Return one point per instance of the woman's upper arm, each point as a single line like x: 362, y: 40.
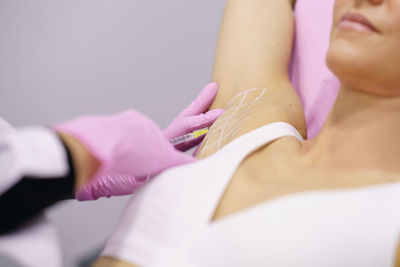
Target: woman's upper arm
x: 254, y: 46
x: 251, y: 68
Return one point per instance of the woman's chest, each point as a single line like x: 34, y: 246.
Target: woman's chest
x: 328, y: 228
x: 256, y: 181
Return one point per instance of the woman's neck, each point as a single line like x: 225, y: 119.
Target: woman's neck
x: 362, y: 132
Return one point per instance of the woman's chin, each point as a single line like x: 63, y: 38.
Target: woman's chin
x: 349, y: 64
x: 362, y: 75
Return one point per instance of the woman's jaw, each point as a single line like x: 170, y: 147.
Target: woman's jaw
x: 361, y: 132
x: 365, y: 44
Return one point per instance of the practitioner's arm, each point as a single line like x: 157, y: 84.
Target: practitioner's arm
x: 253, y: 51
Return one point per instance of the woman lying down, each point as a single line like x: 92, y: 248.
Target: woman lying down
x: 262, y: 195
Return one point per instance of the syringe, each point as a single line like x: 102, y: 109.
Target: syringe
x: 187, y: 137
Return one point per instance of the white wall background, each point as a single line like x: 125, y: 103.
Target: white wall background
x: 63, y: 58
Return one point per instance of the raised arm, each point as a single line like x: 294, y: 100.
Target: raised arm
x: 251, y: 63
x: 254, y: 46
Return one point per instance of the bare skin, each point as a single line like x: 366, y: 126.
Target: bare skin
x: 348, y: 153
x: 85, y: 164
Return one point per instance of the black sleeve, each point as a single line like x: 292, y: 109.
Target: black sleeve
x: 30, y: 196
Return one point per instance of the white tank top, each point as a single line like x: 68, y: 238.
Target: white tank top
x: 168, y: 222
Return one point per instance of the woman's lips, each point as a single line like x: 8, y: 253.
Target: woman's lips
x: 357, y: 22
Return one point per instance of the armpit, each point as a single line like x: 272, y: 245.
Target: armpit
x: 251, y: 109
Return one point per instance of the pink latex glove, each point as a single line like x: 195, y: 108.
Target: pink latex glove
x: 193, y: 117
x: 131, y: 147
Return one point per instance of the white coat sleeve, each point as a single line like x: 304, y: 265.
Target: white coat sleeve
x: 18, y: 155
x: 35, y: 245
x: 33, y: 151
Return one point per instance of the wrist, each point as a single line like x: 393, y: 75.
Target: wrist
x: 85, y: 164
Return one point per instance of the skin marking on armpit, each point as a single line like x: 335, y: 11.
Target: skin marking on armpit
x: 236, y: 113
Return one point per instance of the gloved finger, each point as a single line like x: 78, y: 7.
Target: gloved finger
x: 196, y: 150
x: 84, y: 194
x: 189, y: 124
x: 109, y: 184
x: 202, y: 102
x: 181, y: 158
x: 203, y: 120
x: 93, y: 190
x: 189, y: 144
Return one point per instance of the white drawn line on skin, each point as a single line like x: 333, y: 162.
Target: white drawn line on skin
x: 227, y: 119
x: 236, y: 129
x: 244, y: 96
x: 224, y: 119
x: 222, y: 128
x: 241, y: 106
x: 248, y: 109
x: 241, y: 120
x: 228, y: 135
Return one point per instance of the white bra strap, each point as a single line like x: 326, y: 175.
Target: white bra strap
x: 211, y: 187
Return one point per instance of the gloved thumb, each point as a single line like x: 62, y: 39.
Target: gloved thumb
x: 181, y: 158
x: 185, y: 125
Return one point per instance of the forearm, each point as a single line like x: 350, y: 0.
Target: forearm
x: 47, y: 167
x: 111, y: 262
x: 42, y: 170
x: 84, y: 163
x: 254, y: 46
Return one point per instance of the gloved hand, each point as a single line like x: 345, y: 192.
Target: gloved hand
x: 131, y: 147
x: 193, y: 117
